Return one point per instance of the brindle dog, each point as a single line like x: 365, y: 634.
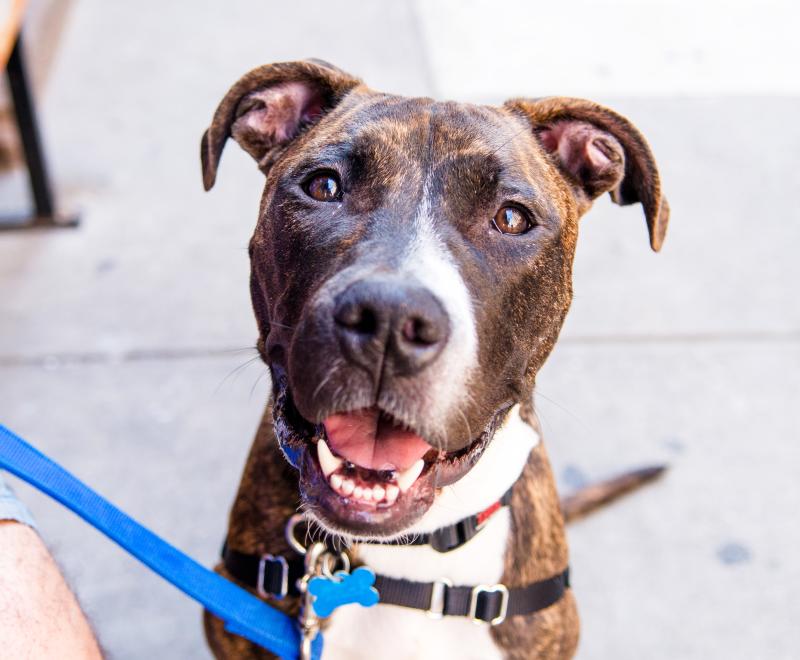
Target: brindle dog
x: 411, y: 270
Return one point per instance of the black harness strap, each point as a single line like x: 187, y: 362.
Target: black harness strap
x: 489, y: 603
x: 270, y: 575
x: 454, y: 536
x: 275, y: 577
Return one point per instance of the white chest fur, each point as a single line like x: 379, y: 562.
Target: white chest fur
x: 394, y: 633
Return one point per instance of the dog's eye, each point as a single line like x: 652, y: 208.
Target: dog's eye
x: 324, y: 187
x: 511, y: 220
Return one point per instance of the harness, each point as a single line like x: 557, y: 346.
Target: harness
x: 276, y: 577
x: 320, y: 573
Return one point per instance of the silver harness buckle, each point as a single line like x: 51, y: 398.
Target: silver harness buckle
x: 438, y: 590
x: 262, y: 572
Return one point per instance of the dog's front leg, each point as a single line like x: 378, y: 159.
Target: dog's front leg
x: 537, y: 548
x: 267, y: 498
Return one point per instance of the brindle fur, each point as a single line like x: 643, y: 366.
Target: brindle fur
x: 401, y: 151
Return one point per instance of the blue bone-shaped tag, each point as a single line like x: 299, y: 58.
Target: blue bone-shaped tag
x: 355, y: 587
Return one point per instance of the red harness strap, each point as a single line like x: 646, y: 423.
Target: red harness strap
x: 484, y: 515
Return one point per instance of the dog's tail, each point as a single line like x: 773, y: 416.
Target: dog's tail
x: 594, y: 496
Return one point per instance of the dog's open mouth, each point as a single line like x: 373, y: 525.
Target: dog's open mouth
x: 370, y: 459
x: 364, y: 474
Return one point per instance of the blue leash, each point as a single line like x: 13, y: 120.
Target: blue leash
x: 243, y: 613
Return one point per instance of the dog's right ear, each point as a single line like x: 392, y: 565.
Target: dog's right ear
x: 268, y: 107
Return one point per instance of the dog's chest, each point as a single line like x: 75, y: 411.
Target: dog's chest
x: 399, y: 633
x: 394, y: 633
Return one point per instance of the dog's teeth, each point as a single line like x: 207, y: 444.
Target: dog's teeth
x: 378, y: 493
x: 358, y: 492
x: 327, y: 461
x: 407, y: 478
x: 336, y: 481
x: 348, y: 486
x: 392, y: 492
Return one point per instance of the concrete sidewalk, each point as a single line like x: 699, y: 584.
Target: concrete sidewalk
x: 125, y: 345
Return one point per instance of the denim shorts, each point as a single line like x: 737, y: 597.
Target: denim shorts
x: 11, y: 508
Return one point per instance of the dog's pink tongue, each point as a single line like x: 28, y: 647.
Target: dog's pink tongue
x: 364, y: 438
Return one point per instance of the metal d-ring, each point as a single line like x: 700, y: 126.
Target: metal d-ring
x: 291, y: 539
x: 330, y: 561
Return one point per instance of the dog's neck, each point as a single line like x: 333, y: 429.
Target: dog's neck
x: 482, y: 558
x: 496, y: 471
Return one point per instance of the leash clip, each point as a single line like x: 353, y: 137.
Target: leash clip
x: 309, y: 621
x: 320, y: 565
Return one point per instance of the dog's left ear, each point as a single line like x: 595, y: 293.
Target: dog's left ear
x: 598, y: 150
x: 269, y: 106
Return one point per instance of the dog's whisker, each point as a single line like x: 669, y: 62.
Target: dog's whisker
x: 236, y: 371
x: 260, y: 376
x: 240, y: 350
x: 564, y: 409
x: 281, y: 325
x: 333, y: 370
x: 470, y: 437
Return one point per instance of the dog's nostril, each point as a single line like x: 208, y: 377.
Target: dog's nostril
x: 367, y: 323
x: 417, y: 330
x: 358, y: 318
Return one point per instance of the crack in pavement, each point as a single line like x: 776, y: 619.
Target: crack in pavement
x: 65, y: 358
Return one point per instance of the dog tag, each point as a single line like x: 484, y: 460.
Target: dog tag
x: 343, y: 589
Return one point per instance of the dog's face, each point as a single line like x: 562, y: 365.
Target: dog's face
x: 411, y: 269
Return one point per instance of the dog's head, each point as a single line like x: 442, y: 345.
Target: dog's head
x: 411, y: 270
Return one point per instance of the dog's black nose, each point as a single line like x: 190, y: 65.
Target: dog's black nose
x: 392, y: 326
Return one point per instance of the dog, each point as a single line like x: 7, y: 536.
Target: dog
x: 410, y: 273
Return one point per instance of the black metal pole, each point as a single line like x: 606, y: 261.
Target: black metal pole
x: 29, y: 133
